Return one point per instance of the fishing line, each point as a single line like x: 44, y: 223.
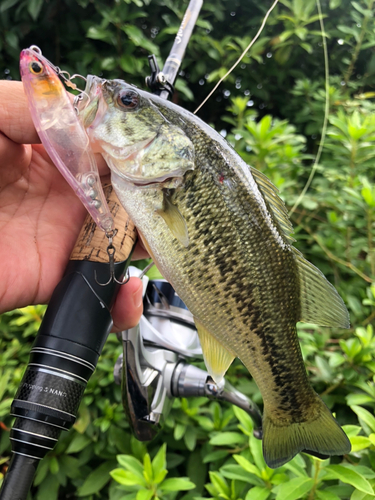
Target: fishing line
x: 241, y: 56
x: 326, y: 111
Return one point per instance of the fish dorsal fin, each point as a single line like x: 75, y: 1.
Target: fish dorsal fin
x: 174, y: 220
x: 216, y: 357
x: 275, y: 203
x: 320, y: 302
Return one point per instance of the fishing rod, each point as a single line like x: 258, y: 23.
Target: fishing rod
x: 77, y: 320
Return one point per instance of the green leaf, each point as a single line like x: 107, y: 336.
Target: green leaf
x: 351, y: 430
x: 84, y: 419
x: 97, y: 479
x: 179, y: 431
x: 147, y: 469
x: 359, y: 495
x: 301, y: 33
x: 326, y: 495
x: 264, y: 126
x: 306, y: 46
x: 220, y: 484
x: 190, y: 437
x: 33, y: 7
x: 7, y: 4
x: 127, y: 478
x: 359, y: 443
x: 137, y: 37
x: 297, y: 469
x: 214, y: 455
x: 48, y: 490
x: 78, y: 443
x: 333, y: 4
x: 159, y: 464
x: 365, y: 416
x: 182, y: 87
x: 144, y: 495
x: 294, y: 489
x: 228, y: 438
x: 258, y: 493
x: 237, y: 472
x: 54, y: 465
x: 348, y: 476
x: 364, y: 12
x: 257, y: 452
x: 368, y: 196
x: 131, y: 464
x: 245, y: 420
x: 70, y: 466
x: 98, y: 34
x: 177, y: 484
x: 248, y: 466
x: 42, y: 471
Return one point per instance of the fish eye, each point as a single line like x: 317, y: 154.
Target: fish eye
x: 128, y: 99
x: 36, y: 68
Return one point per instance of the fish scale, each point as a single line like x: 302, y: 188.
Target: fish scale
x: 219, y: 233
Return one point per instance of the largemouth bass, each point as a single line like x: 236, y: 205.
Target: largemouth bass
x: 218, y: 231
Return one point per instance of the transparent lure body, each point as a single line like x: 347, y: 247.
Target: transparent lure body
x: 63, y: 135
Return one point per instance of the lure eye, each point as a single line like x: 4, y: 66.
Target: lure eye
x: 36, y: 68
x: 128, y: 99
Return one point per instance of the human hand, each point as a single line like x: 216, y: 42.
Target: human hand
x: 40, y: 217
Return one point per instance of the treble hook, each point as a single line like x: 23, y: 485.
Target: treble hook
x: 111, y: 250
x: 65, y: 76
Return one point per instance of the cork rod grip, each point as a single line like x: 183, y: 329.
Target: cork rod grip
x: 92, y: 243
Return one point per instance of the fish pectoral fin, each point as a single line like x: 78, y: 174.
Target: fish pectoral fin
x: 216, y: 357
x: 174, y: 220
x: 320, y: 302
x: 321, y: 437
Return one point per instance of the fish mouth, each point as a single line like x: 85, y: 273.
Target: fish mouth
x: 169, y: 180
x: 133, y: 154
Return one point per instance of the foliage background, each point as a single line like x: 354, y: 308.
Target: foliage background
x: 271, y: 109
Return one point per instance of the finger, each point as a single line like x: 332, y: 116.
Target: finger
x: 128, y: 306
x: 102, y: 166
x: 139, y: 251
x: 16, y: 122
x: 14, y: 161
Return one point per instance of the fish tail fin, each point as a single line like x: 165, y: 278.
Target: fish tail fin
x: 321, y: 437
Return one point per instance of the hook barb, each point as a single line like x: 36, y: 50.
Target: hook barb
x: 111, y: 260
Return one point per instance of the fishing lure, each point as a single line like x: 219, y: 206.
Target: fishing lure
x: 62, y: 134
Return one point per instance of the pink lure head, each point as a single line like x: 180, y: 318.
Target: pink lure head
x: 62, y: 134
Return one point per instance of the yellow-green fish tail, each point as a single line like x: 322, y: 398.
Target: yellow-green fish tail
x: 320, y: 436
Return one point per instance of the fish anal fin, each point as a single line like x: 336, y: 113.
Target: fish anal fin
x: 174, y: 220
x: 216, y: 357
x: 320, y: 302
x: 321, y: 437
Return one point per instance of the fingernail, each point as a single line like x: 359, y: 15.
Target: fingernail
x: 138, y: 296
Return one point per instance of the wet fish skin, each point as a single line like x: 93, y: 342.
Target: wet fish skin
x: 236, y: 270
